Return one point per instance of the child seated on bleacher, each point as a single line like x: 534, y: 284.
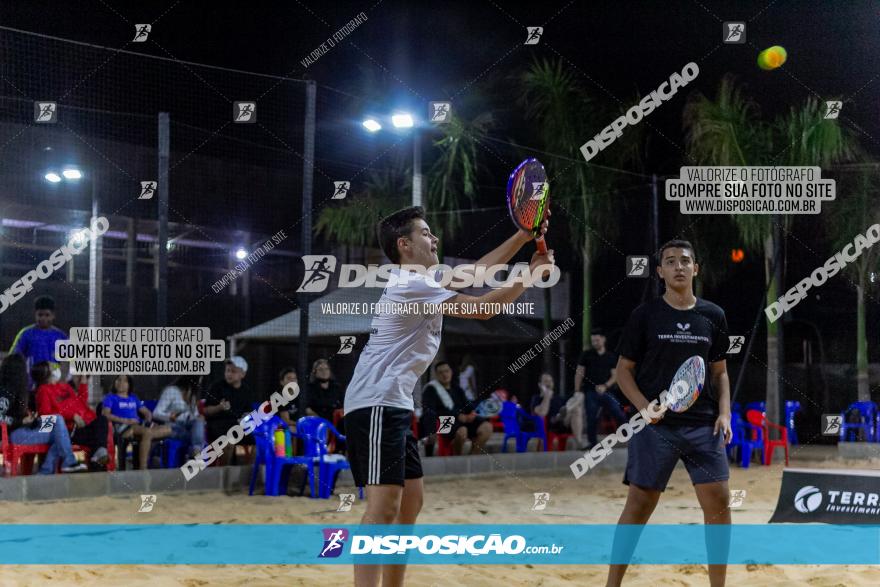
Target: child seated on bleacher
x: 87, y: 428
x: 26, y: 428
x: 122, y: 407
x: 179, y: 408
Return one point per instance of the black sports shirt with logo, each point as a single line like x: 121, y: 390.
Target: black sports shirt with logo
x: 659, y: 338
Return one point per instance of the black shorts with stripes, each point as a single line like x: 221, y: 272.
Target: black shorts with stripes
x: 381, y: 447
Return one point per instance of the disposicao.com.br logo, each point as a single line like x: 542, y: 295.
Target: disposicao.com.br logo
x: 320, y: 268
x: 430, y: 544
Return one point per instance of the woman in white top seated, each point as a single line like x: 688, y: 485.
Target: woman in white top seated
x: 179, y: 407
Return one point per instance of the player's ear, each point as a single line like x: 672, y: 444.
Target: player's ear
x: 696, y: 269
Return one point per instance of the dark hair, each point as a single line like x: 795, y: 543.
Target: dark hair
x: 130, y: 384
x: 285, y: 371
x: 395, y: 226
x: 185, y: 383
x: 41, y: 372
x: 439, y: 364
x: 675, y: 244
x: 44, y: 303
x: 312, y: 377
x: 13, y: 378
x: 596, y: 331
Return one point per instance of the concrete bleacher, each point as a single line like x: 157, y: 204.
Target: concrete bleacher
x: 236, y: 479
x: 858, y: 450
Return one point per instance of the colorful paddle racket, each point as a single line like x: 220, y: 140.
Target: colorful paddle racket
x: 528, y: 198
x: 687, y: 383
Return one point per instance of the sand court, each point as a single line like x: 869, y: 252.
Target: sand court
x: 506, y: 498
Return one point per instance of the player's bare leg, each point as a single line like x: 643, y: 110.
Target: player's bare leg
x: 410, y: 506
x: 640, y: 504
x: 383, y: 507
x: 577, y: 425
x: 145, y: 437
x: 714, y: 498
x: 459, y: 440
x: 484, y: 432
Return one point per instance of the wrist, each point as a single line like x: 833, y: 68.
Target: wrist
x: 523, y: 237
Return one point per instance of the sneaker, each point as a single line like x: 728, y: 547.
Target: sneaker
x: 77, y: 468
x: 100, y: 457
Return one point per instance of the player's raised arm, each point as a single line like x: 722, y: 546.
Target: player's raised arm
x: 504, y: 252
x: 465, y: 306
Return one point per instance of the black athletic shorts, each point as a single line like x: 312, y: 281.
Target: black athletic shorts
x: 470, y: 426
x: 653, y: 453
x: 381, y: 447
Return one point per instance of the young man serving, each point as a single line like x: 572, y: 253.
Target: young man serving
x: 379, y: 400
x: 659, y: 336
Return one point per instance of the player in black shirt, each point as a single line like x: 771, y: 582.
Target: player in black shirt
x: 659, y: 336
x: 595, y: 376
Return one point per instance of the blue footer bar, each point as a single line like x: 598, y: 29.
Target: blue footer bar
x: 198, y: 544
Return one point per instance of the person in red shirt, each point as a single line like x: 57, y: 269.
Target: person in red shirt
x: 87, y: 428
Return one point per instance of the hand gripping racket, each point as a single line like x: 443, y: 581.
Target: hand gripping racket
x: 528, y: 198
x: 687, y: 383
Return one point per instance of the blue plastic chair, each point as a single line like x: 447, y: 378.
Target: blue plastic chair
x: 170, y: 451
x: 276, y: 481
x: 868, y: 413
x: 747, y: 438
x: 736, y: 408
x: 510, y: 412
x: 314, y: 432
x: 791, y: 408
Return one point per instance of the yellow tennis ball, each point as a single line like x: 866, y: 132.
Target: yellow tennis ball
x: 772, y: 57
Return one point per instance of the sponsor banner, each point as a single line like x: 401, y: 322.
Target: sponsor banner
x: 433, y: 544
x: 833, y: 496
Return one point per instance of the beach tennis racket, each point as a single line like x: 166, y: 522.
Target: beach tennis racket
x: 528, y: 198
x: 687, y: 383
x: 491, y: 406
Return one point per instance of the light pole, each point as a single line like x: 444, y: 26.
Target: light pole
x: 73, y: 174
x: 405, y: 120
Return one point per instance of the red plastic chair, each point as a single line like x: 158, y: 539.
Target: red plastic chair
x: 497, y: 424
x: 757, y: 418
x: 19, y: 454
x: 444, y: 445
x: 557, y: 438
x: 338, y: 414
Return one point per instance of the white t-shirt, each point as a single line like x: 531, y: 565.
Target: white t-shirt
x: 401, y: 345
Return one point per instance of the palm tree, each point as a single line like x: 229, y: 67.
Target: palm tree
x: 354, y: 222
x: 452, y: 179
x: 560, y: 108
x: 728, y: 131
x: 452, y: 187
x: 855, y: 209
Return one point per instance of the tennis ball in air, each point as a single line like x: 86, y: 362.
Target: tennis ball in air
x: 772, y: 57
